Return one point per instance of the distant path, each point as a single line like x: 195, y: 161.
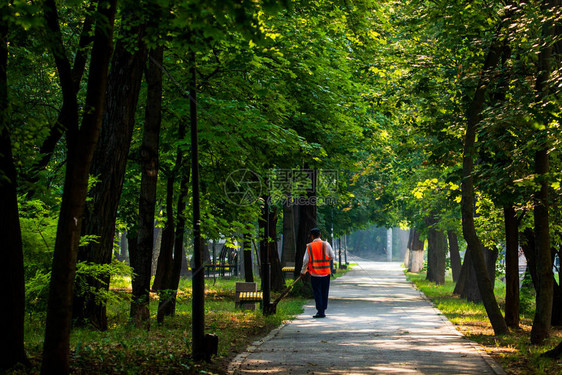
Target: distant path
x: 377, y: 323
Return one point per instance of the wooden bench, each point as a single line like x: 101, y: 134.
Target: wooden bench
x: 288, y: 271
x: 250, y: 296
x: 221, y: 269
x: 247, y: 295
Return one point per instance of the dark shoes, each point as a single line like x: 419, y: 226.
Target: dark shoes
x: 319, y: 316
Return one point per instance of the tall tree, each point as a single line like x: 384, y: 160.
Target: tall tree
x: 198, y: 274
x: 172, y: 252
x: 290, y: 224
x: 436, y: 254
x: 466, y: 269
x: 308, y: 219
x: 467, y: 203
x: 141, y: 260
x: 471, y: 290
x: 416, y: 251
x: 248, y: 265
x: 13, y: 313
x: 80, y: 142
x: 454, y: 254
x: 543, y: 312
x: 110, y: 157
x: 511, y: 267
x: 165, y: 256
x: 277, y: 276
x: 56, y: 131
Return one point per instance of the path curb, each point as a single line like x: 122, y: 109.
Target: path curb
x: 235, y: 364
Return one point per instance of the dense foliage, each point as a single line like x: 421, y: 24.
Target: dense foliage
x: 378, y: 98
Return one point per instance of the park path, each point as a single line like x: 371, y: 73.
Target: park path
x: 377, y: 323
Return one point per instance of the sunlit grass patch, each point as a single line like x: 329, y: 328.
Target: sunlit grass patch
x: 513, y: 351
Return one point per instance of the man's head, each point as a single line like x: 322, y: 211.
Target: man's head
x: 315, y: 233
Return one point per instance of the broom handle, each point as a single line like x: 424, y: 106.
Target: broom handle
x: 287, y: 290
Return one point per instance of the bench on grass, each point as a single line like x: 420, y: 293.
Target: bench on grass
x: 247, y: 295
x: 220, y: 268
x: 288, y: 270
x: 250, y: 296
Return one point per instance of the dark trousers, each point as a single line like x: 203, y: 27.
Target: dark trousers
x: 320, y: 288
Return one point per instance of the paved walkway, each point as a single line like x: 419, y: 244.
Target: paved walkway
x: 377, y: 323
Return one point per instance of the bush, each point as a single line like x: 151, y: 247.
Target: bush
x: 38, y: 230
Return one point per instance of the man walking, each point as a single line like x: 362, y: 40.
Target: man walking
x: 317, y: 262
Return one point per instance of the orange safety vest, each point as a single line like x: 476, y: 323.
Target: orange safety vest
x: 318, y: 261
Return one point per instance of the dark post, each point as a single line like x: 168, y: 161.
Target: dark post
x: 345, y: 248
x: 198, y: 277
x: 339, y: 252
x: 266, y: 267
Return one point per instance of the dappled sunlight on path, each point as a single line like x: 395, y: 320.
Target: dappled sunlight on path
x: 377, y: 323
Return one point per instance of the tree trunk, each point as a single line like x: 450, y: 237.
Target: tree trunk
x: 406, y: 259
x: 156, y: 247
x: 290, y: 224
x: 265, y: 269
x: 58, y: 128
x: 132, y: 240
x: 184, y: 265
x: 277, y: 276
x: 164, y: 264
x: 556, y: 304
x: 307, y: 221
x: 544, y: 287
x: 167, y: 305
x: 179, y: 252
x: 248, y: 265
x: 12, y: 279
x: 511, y: 266
x: 436, y: 256
x: 554, y: 353
x: 108, y: 165
x: 471, y: 291
x: 416, y: 252
x: 557, y: 294
x: 165, y: 259
x: 454, y: 254
x: 467, y: 203
x: 81, y: 142
x: 464, y: 274
x: 544, y: 299
x: 199, y: 352
x: 123, y: 247
x: 141, y: 262
x: 408, y: 247
x: 528, y: 247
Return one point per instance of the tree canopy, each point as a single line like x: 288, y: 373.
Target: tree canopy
x: 434, y: 115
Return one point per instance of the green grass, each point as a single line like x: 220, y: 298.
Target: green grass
x: 166, y: 348
x: 513, y: 351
